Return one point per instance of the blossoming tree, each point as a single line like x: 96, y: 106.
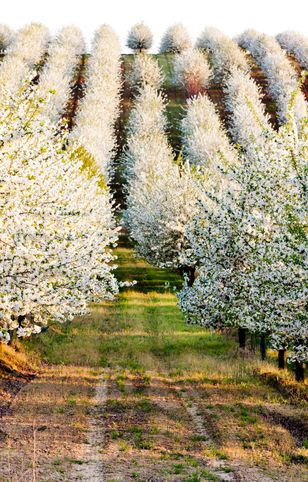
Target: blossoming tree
x: 250, y: 247
x: 6, y: 37
x: 98, y: 111
x: 192, y: 71
x: 23, y: 54
x: 295, y: 44
x: 56, y: 222
x: 175, y: 40
x: 139, y: 38
x: 145, y: 71
x: 63, y: 57
x: 224, y: 54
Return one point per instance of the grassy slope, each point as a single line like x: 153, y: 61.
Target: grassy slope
x: 142, y: 341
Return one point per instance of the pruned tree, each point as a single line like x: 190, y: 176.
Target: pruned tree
x: 63, y: 57
x: 22, y: 56
x: 243, y: 101
x: 205, y: 140
x: 250, y: 247
x: 175, y: 40
x: 97, y: 113
x: 161, y: 197
x: 145, y: 71
x: 192, y: 71
x: 139, y: 38
x: 6, y: 37
x: 56, y: 225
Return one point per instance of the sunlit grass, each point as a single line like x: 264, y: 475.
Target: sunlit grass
x: 144, y: 324
x: 143, y: 334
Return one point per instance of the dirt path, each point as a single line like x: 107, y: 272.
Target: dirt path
x: 133, y: 393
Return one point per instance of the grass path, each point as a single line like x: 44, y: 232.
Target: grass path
x: 130, y: 392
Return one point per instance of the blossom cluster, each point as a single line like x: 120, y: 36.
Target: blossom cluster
x: 295, y: 44
x: 56, y: 222
x: 175, y: 40
x: 22, y: 56
x: 205, y: 140
x: 224, y: 54
x: 98, y: 110
x: 57, y: 75
x: 280, y: 75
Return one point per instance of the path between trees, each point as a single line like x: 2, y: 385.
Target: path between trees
x: 132, y: 398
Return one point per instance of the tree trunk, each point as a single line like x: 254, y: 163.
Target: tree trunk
x: 252, y: 342
x: 299, y: 371
x: 282, y: 359
x: 263, y: 347
x: 242, y: 337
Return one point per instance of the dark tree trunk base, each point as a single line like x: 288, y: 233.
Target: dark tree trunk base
x: 263, y: 347
x: 252, y: 343
x: 299, y: 371
x: 282, y: 359
x: 242, y: 337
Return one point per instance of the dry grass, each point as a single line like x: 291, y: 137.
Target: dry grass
x: 46, y: 430
x: 151, y: 355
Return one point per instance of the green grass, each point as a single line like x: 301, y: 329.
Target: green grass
x: 144, y: 324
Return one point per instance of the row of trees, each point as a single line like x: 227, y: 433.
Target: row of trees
x: 280, y: 75
x: 296, y: 44
x: 160, y: 196
x: 243, y: 239
x: 56, y: 219
x: 231, y: 218
x: 99, y: 109
x: 57, y: 75
x: 176, y: 39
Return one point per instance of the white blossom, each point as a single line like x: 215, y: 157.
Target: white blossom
x: 145, y: 71
x: 6, y: 37
x: 23, y: 54
x: 251, y: 250
x: 56, y: 222
x: 205, y: 139
x: 161, y: 197
x: 57, y: 75
x: 243, y: 101
x: 175, y: 40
